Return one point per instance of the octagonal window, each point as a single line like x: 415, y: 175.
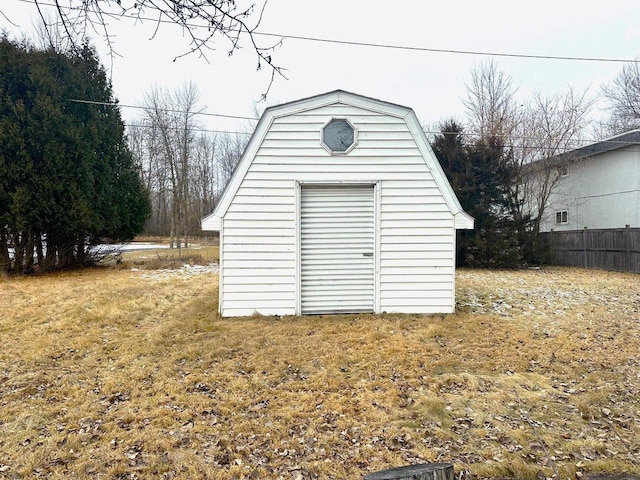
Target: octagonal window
x: 339, y: 136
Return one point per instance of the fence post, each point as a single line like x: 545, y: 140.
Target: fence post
x: 627, y: 246
x: 585, y: 262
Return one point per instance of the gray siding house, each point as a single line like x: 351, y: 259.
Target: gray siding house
x: 598, y: 186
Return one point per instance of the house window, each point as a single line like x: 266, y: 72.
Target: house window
x: 562, y: 216
x: 339, y: 136
x: 562, y: 170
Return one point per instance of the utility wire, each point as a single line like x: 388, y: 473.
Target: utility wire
x: 354, y: 43
x: 582, y: 142
x: 428, y: 132
x: 447, y: 50
x: 610, y: 194
x: 169, y: 110
x: 365, y: 44
x: 505, y: 147
x: 193, y: 129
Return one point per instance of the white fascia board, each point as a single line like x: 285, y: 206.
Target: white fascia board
x: 338, y: 96
x: 436, y: 170
x: 241, y: 170
x: 373, y: 104
x: 304, y: 105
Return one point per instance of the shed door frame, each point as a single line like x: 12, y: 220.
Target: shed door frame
x: 376, y: 238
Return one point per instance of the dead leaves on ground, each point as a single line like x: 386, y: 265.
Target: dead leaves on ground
x: 537, y: 375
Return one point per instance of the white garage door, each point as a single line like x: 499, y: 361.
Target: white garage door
x: 337, y: 249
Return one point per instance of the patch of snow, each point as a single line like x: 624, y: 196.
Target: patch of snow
x: 185, y: 271
x: 127, y: 247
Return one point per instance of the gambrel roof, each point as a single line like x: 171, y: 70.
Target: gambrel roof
x: 461, y: 219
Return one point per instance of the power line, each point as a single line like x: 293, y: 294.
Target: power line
x: 193, y: 129
x: 447, y: 50
x: 169, y: 110
x: 366, y: 44
x: 584, y: 142
x: 341, y: 42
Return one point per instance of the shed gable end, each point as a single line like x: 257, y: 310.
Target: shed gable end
x: 291, y: 128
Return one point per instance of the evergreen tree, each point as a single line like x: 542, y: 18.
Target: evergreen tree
x: 481, y: 173
x: 68, y: 180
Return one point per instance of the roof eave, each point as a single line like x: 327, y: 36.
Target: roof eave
x: 211, y: 223
x: 463, y: 221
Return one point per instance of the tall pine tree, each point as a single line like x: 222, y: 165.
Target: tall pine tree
x: 68, y: 179
x: 481, y: 174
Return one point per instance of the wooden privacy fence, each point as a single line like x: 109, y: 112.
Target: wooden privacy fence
x: 605, y: 249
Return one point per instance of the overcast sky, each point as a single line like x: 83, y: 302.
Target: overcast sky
x: 431, y: 83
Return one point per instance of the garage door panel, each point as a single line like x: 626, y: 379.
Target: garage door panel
x: 336, y: 249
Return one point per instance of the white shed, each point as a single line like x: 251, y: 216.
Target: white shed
x: 338, y: 205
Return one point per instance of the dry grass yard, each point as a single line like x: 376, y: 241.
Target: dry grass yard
x: 126, y: 372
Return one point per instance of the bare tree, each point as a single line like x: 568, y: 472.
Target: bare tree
x: 204, y: 184
x: 623, y: 96
x: 490, y: 103
x: 147, y: 152
x: 172, y: 122
x: 203, y: 22
x: 554, y: 125
x: 185, y: 168
x: 49, y: 34
x: 495, y: 115
x: 534, y: 131
x: 231, y: 147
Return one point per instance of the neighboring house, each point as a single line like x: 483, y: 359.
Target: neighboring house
x: 338, y: 205
x: 596, y: 186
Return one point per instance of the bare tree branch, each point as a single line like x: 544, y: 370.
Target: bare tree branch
x: 536, y: 131
x: 203, y: 21
x: 490, y: 102
x: 623, y: 95
x: 8, y: 19
x: 553, y: 123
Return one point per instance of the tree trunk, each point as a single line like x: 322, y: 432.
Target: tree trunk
x: 173, y: 234
x: 81, y: 258
x: 29, y: 252
x: 425, y: 471
x: 185, y: 220
x: 40, y: 251
x: 5, y: 258
x: 62, y: 256
x: 18, y: 253
x: 50, y: 257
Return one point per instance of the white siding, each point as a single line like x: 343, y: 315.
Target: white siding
x: 416, y: 243
x: 258, y: 252
x: 417, y: 248
x: 598, y: 192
